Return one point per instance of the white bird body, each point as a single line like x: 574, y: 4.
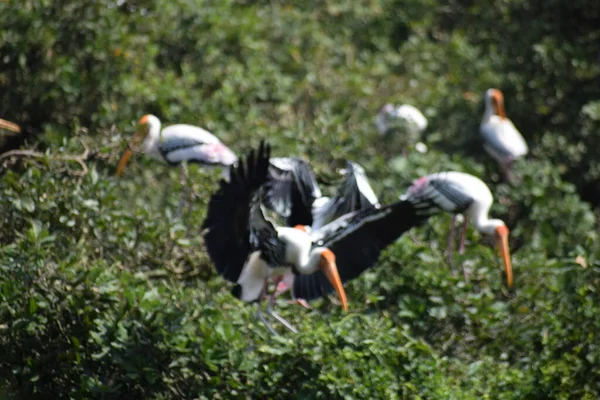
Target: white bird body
x: 406, y: 113
x: 180, y: 143
x: 471, y: 186
x: 501, y: 138
x: 299, y: 252
x: 461, y: 193
x: 412, y: 115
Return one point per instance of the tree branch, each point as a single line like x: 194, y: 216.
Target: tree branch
x: 79, y: 159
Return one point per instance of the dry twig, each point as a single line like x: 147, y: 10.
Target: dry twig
x: 79, y: 159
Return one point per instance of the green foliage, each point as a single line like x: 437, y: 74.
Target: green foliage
x: 105, y: 292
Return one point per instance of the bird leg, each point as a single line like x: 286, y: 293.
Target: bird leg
x: 275, y: 292
x: 280, y: 318
x: 461, y: 247
x: 259, y: 315
x: 412, y: 237
x: 271, y: 303
x: 463, y: 237
x: 506, y: 168
x: 182, y: 181
x: 192, y: 193
x: 262, y: 319
x: 449, y: 250
x: 300, y: 302
x: 282, y: 286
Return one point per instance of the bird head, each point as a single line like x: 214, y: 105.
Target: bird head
x: 501, y: 234
x: 143, y: 129
x: 497, y: 101
x: 329, y: 267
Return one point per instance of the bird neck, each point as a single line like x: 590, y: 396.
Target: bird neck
x: 152, y: 139
x: 308, y: 265
x: 489, y: 109
x: 486, y: 225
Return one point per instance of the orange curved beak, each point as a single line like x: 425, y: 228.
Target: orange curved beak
x: 498, y: 100
x: 137, y: 138
x: 9, y: 126
x: 502, y: 240
x: 123, y: 161
x: 329, y: 268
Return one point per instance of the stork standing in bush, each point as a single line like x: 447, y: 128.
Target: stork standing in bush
x: 404, y: 124
x: 176, y: 144
x: 179, y: 144
x: 460, y: 193
x: 501, y: 139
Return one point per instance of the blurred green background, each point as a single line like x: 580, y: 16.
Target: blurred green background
x: 105, y: 293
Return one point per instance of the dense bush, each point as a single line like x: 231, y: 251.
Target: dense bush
x: 106, y: 292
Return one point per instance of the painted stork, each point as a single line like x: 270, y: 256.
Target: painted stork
x: 500, y: 137
x: 358, y: 239
x: 293, y: 193
x: 460, y: 193
x: 176, y: 144
x: 9, y: 126
x: 407, y: 119
x: 248, y: 250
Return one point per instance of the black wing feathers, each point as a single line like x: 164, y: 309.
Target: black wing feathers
x: 448, y: 189
x: 264, y: 236
x: 357, y: 241
x: 350, y: 194
x: 438, y: 194
x: 179, y: 143
x: 227, y: 238
x: 291, y: 189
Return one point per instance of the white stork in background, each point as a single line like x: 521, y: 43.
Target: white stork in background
x: 460, y: 193
x: 248, y: 250
x: 293, y: 193
x: 501, y: 139
x: 408, y: 119
x: 178, y: 144
x: 9, y: 126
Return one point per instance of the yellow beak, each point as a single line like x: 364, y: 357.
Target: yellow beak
x: 124, y: 158
x: 329, y: 268
x: 502, y: 240
x: 137, y: 138
x: 9, y: 126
